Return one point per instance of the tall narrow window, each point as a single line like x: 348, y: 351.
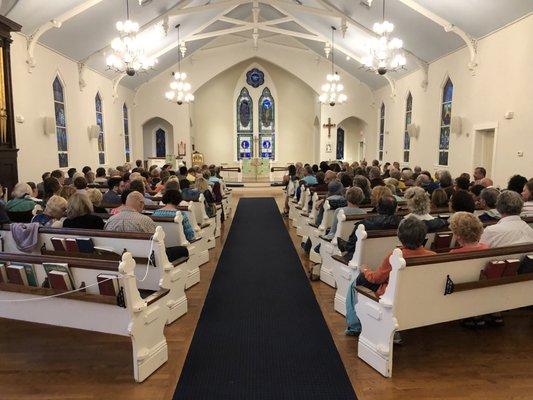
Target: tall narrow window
x: 245, y: 120
x: 381, y: 131
x: 445, y: 121
x: 100, y: 123
x: 61, y: 123
x: 406, y: 138
x: 267, y: 109
x: 127, y: 147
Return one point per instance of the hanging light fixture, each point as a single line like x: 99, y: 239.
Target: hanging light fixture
x: 128, y: 51
x: 332, y: 91
x: 180, y: 89
x: 384, y: 54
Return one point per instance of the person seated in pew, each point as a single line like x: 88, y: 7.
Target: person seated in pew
x: 188, y: 193
x: 377, y: 193
x: 20, y: 207
x: 80, y: 213
x: 363, y: 183
x: 374, y: 175
x: 40, y: 185
x: 392, y: 185
x: 446, y: 182
x: 34, y: 192
x: 334, y: 197
x: 67, y: 191
x: 4, y: 219
x: 130, y: 218
x: 309, y: 177
x: 69, y: 179
x: 462, y: 200
x: 3, y: 193
x: 171, y: 200
x: 487, y: 201
x: 353, y: 196
x: 123, y: 198
x: 321, y: 185
x: 439, y: 199
x: 412, y: 235
x: 396, y: 174
x: 96, y: 196
x: 53, y: 213
x: 116, y: 186
x: 202, y: 185
x: 419, y: 206
x: 475, y: 190
x: 90, y: 177
x: 467, y: 230
x: 516, y: 183
x: 51, y: 187
x: 100, y: 176
x: 510, y: 229
x: 386, y: 219
x: 462, y: 183
x: 80, y: 183
x: 138, y: 185
x: 527, y: 196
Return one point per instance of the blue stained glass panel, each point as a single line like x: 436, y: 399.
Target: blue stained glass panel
x: 447, y: 94
x: 100, y: 121
x: 60, y: 114
x: 380, y: 155
x: 406, y: 156
x: 101, y: 144
x: 61, y: 135
x: 255, y: 77
x: 63, y: 160
x: 58, y: 90
x: 266, y: 112
x: 244, y: 113
x: 160, y: 143
x: 409, y: 102
x: 406, y: 141
x: 98, y: 103
x: 125, y: 111
x: 444, y: 142
x: 443, y: 158
x: 101, y: 158
x: 382, y: 125
x: 381, y: 142
x: 382, y: 111
x: 407, y: 119
x: 446, y: 114
x: 126, y: 128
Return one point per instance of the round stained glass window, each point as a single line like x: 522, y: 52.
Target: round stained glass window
x: 266, y: 144
x: 255, y: 77
x: 245, y: 144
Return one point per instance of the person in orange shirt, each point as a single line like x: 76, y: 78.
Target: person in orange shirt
x: 412, y: 234
x: 467, y: 229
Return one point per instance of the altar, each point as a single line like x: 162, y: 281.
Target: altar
x: 255, y: 170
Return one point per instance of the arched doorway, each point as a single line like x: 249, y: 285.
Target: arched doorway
x: 158, y: 138
x: 350, y: 139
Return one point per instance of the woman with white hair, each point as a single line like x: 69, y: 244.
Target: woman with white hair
x: 419, y: 205
x: 20, y: 207
x: 53, y: 212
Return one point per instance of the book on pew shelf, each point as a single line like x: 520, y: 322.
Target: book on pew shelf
x: 108, y: 284
x: 31, y: 276
x: 511, y: 267
x: 104, y: 250
x: 17, y: 275
x: 58, y: 244
x: 442, y: 240
x: 49, y: 267
x: 3, y: 273
x: 526, y: 266
x: 85, y: 245
x: 59, y: 280
x: 493, y: 269
x: 444, y: 216
x: 71, y: 245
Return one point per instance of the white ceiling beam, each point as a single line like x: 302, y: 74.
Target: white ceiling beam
x: 207, y: 7
x: 470, y: 41
x: 233, y: 20
x: 278, y: 21
x: 291, y: 33
x: 220, y: 32
x: 54, y: 23
x: 295, y: 6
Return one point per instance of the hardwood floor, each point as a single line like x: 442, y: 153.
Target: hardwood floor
x: 439, y: 362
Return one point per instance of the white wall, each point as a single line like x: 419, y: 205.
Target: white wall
x: 502, y: 83
x: 205, y: 64
x: 33, y: 100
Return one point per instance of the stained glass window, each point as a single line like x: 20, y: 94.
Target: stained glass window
x: 100, y: 123
x: 381, y: 131
x: 266, y: 112
x: 255, y: 77
x: 61, y: 123
x: 445, y: 121
x: 244, y: 112
x: 160, y: 143
x: 127, y: 147
x: 408, y: 119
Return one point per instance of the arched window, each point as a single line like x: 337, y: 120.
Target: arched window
x: 100, y: 122
x: 445, y: 121
x: 125, y: 118
x: 266, y: 112
x: 244, y: 112
x: 381, y: 131
x: 406, y: 138
x: 160, y: 143
x: 61, y: 123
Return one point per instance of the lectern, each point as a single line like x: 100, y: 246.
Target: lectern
x: 8, y: 146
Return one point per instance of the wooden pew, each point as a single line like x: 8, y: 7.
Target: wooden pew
x: 152, y: 264
x: 140, y: 319
x: 434, y: 289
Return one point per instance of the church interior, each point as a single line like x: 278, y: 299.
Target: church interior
x: 266, y: 199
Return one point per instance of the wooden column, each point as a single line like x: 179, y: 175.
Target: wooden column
x: 8, y: 146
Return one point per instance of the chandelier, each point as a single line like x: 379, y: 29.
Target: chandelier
x: 332, y: 90
x: 180, y: 89
x: 384, y: 54
x: 128, y: 51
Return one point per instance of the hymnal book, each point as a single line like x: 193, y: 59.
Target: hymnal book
x: 71, y: 245
x: 17, y: 275
x: 59, y: 280
x: 493, y: 269
x: 511, y: 267
x: 48, y: 267
x: 442, y: 240
x: 85, y: 245
x: 58, y: 244
x: 105, y: 250
x: 3, y: 273
x: 30, y: 273
x: 108, y: 284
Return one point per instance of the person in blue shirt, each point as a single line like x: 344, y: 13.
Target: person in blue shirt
x: 309, y: 177
x: 171, y: 199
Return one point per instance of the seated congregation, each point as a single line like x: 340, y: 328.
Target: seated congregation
x: 115, y: 250
x: 361, y: 225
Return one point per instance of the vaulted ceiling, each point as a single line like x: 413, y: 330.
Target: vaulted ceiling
x: 428, y: 28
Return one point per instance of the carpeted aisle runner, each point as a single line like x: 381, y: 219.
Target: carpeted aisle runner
x: 261, y: 334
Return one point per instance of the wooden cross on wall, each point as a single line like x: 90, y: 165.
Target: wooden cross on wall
x: 329, y: 125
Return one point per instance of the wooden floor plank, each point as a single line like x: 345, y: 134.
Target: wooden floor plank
x: 438, y: 362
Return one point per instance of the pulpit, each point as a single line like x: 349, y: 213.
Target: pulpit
x: 8, y: 148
